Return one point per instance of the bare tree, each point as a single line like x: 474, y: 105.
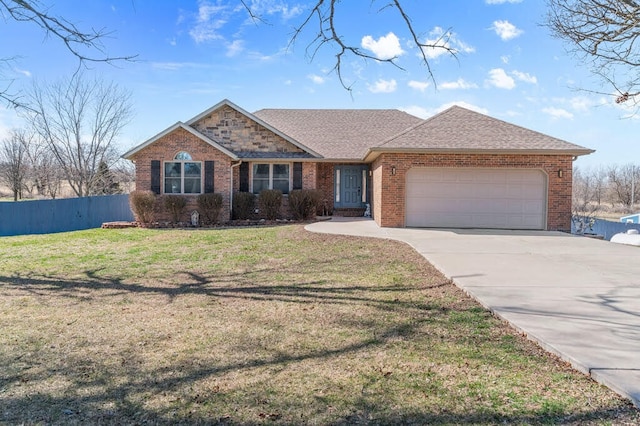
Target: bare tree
x: 79, y: 120
x: 625, y: 183
x: 604, y: 34
x: 14, y: 162
x: 585, y: 199
x: 124, y: 172
x: 44, y: 173
x: 85, y: 44
x: 327, y: 21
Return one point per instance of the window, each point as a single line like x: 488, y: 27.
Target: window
x: 182, y: 176
x: 270, y: 176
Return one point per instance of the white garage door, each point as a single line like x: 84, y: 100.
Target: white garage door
x: 476, y: 198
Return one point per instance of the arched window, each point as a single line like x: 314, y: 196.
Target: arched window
x: 183, y: 176
x: 183, y: 156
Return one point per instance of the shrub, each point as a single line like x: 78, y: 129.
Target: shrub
x: 142, y: 203
x: 210, y: 205
x: 175, y: 204
x: 304, y: 203
x: 270, y: 202
x: 243, y: 205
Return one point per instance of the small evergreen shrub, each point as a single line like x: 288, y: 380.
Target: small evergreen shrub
x: 142, y: 203
x: 243, y: 205
x: 210, y: 205
x: 304, y: 203
x: 176, y: 205
x: 270, y: 202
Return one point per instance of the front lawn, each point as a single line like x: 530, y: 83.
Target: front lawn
x: 263, y: 325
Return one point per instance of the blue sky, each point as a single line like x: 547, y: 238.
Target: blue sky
x: 192, y: 54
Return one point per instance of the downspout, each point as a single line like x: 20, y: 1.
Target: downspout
x: 231, y: 192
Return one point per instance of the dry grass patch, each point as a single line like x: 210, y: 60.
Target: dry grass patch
x: 269, y: 325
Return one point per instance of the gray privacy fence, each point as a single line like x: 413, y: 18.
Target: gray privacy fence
x: 608, y: 228
x: 68, y: 214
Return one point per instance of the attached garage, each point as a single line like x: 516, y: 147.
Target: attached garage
x: 476, y: 198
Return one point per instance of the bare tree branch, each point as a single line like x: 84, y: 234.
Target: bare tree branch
x: 85, y: 45
x: 14, y: 162
x: 328, y: 34
x: 604, y: 34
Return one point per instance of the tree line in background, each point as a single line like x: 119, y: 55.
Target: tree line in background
x: 28, y: 169
x: 605, y: 190
x: 68, y: 140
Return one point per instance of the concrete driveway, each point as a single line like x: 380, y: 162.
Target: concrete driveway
x: 579, y: 298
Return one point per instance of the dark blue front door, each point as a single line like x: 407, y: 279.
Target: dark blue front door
x: 350, y: 186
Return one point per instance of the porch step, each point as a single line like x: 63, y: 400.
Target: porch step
x: 355, y: 212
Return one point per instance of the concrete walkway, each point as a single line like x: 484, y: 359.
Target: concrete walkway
x: 579, y: 298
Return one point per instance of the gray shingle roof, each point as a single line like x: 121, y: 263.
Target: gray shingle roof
x: 459, y: 129
x: 345, y: 134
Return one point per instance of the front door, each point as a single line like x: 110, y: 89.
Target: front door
x: 350, y: 187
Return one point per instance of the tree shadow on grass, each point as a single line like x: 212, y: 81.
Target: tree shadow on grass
x: 103, y: 396
x: 240, y: 285
x: 122, y: 401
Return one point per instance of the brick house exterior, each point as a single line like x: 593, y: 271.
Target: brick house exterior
x: 360, y: 158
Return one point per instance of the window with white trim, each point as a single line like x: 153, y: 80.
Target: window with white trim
x: 270, y: 176
x: 182, y: 175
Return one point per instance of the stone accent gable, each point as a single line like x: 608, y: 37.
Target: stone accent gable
x: 238, y: 133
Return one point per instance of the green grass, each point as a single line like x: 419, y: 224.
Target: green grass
x: 263, y: 326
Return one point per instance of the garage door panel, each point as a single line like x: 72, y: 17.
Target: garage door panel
x: 476, y: 198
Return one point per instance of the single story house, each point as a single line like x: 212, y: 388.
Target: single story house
x: 458, y: 168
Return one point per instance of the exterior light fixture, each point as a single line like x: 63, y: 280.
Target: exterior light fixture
x: 393, y: 170
x: 560, y: 173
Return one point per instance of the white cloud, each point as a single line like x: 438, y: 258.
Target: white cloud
x: 175, y: 66
x: 457, y: 85
x: 526, y: 77
x: 271, y: 7
x: 386, y: 47
x: 557, y: 113
x: 235, y: 47
x: 419, y: 85
x: 505, y: 59
x: 502, y: 1
x: 506, y: 30
x: 463, y: 104
x: 26, y: 73
x: 210, y: 19
x: 418, y: 111
x: 316, y: 78
x: 384, y: 86
x: 442, y: 41
x: 498, y: 78
x: 581, y: 103
x: 422, y: 112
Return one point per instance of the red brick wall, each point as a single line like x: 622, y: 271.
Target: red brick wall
x: 165, y: 149
x: 389, y: 190
x: 324, y: 182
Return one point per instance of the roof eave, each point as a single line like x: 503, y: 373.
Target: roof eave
x: 179, y: 125
x: 374, y: 153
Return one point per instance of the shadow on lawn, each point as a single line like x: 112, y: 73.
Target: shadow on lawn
x: 99, y: 397
x: 236, y: 285
x: 125, y: 400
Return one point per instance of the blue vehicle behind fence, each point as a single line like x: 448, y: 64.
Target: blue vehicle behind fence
x: 632, y: 218
x: 606, y: 228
